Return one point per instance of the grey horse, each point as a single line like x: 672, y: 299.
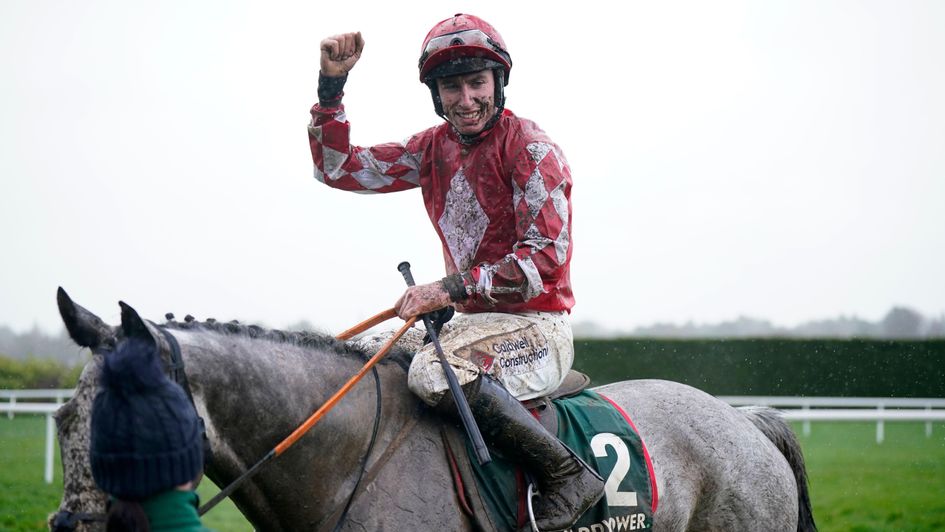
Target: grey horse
x: 717, y: 468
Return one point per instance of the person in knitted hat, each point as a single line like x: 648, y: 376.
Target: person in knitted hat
x: 146, y: 443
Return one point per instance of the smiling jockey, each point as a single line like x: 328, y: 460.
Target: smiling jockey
x: 497, y: 190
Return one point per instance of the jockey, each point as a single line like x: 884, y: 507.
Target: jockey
x: 497, y: 190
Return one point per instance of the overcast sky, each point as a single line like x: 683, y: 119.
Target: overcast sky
x: 779, y: 160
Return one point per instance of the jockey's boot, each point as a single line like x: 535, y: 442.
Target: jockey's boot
x: 568, y: 486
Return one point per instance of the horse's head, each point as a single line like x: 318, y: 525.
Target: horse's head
x: 83, y: 504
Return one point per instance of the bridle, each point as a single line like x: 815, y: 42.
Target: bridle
x: 177, y: 374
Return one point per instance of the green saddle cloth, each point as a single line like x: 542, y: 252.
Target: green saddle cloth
x: 600, y: 433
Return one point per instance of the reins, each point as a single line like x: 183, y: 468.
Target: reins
x: 367, y: 455
x: 368, y: 476
x: 350, y: 333
x: 325, y: 408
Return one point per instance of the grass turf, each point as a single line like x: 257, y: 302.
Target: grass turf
x: 856, y: 485
x: 859, y: 486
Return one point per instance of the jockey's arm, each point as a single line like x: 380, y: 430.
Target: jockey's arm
x: 389, y: 167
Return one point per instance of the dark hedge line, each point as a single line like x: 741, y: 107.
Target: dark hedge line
x: 771, y: 366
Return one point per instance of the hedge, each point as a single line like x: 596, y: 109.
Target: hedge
x: 35, y: 372
x: 772, y: 366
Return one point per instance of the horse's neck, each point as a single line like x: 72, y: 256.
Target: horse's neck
x: 261, y: 390
x: 253, y: 393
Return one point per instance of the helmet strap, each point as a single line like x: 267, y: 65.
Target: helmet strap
x: 437, y: 102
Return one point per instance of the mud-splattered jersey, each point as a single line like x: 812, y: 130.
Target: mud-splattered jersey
x: 501, y: 206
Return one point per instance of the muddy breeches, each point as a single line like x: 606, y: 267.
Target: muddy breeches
x: 528, y: 353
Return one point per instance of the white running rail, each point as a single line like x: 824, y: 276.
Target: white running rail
x: 39, y: 408
x: 11, y: 407
x: 58, y: 396
x: 803, y: 409
x: 878, y: 409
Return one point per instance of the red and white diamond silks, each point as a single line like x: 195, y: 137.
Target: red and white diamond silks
x: 501, y: 206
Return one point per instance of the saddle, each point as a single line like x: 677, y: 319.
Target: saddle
x: 574, y: 383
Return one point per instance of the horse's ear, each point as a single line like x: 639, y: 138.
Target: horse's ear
x: 132, y: 324
x: 85, y: 328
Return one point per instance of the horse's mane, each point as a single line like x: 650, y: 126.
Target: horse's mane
x: 308, y: 339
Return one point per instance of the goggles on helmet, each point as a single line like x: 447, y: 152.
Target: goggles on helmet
x: 470, y: 43
x: 460, y: 38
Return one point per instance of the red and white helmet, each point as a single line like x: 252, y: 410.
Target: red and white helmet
x: 461, y: 44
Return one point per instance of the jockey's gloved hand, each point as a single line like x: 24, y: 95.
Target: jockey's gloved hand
x: 439, y: 317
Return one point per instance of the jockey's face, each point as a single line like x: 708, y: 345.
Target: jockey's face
x: 468, y: 100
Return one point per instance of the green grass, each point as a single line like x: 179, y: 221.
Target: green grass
x: 859, y: 486
x: 26, y: 500
x: 224, y: 516
x: 856, y: 485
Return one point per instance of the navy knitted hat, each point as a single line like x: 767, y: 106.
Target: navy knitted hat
x: 146, y: 437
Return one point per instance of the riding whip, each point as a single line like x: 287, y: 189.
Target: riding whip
x: 459, y: 398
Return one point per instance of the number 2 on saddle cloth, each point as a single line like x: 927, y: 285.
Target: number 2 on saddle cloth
x: 598, y: 431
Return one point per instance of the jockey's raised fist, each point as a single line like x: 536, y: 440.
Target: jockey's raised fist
x: 340, y: 53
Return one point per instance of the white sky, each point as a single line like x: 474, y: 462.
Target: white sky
x: 781, y: 160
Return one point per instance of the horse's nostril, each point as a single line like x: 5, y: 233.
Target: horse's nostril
x: 64, y: 521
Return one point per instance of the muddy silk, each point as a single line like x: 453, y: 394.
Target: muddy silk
x: 599, y: 433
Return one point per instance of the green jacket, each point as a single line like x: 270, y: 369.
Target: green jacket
x: 174, y: 510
